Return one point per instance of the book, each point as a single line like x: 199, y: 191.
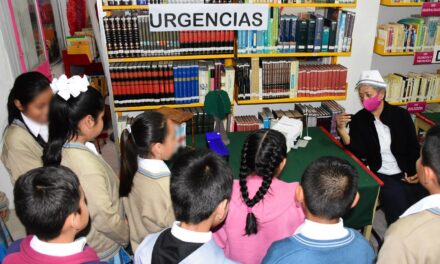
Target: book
x: 412, y: 87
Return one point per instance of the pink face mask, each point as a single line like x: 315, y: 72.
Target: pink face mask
x: 371, y: 104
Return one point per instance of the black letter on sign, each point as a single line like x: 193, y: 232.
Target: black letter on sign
x: 187, y: 21
x: 210, y: 19
x: 169, y: 18
x: 244, y: 19
x: 197, y: 18
x: 257, y: 20
x: 158, y: 24
x: 223, y: 22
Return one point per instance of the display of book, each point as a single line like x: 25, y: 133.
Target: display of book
x: 146, y: 2
x: 412, y: 87
x: 129, y: 36
x: 325, y: 30
x: 287, y: 78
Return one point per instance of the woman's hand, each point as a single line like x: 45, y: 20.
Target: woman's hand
x: 342, y: 120
x: 411, y: 179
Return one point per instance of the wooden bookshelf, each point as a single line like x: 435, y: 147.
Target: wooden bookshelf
x: 320, y: 5
x: 291, y: 100
x: 173, y: 58
x: 393, y: 4
x: 405, y: 103
x: 294, y: 54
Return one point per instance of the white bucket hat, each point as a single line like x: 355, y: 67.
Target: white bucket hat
x: 373, y: 78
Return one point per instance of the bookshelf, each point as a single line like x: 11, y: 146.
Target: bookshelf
x: 294, y: 54
x: 393, y: 4
x: 174, y: 58
x: 405, y: 103
x: 291, y: 100
x: 379, y: 51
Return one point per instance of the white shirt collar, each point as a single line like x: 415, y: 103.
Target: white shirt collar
x: 91, y: 147
x: 36, y: 128
x: 188, y: 235
x: 318, y: 231
x: 153, y: 165
x: 58, y: 249
x: 426, y: 203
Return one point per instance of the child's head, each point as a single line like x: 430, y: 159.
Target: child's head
x: 264, y: 154
x: 49, y: 202
x: 428, y: 165
x: 201, y: 187
x: 69, y: 119
x: 150, y: 136
x: 30, y: 95
x: 328, y: 188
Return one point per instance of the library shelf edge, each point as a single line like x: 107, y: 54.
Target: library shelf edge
x: 322, y: 5
x: 121, y: 109
x: 390, y: 3
x: 173, y: 58
x: 294, y: 54
x: 405, y: 103
x: 291, y: 100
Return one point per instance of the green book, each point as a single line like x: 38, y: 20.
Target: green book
x: 325, y: 39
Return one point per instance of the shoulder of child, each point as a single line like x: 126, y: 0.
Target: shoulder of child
x: 279, y: 250
x: 145, y: 249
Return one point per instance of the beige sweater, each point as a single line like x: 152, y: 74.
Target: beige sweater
x: 148, y: 207
x: 21, y: 152
x: 101, y: 187
x: 412, y: 239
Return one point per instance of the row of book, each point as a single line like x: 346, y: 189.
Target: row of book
x: 286, y: 78
x: 325, y: 30
x: 414, y: 1
x: 415, y: 33
x: 146, y: 2
x: 298, y: 1
x: 169, y: 82
x: 413, y: 87
x: 203, y: 122
x: 130, y: 36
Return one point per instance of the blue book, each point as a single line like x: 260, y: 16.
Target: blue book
x: 195, y: 81
x: 318, y: 32
x: 176, y: 83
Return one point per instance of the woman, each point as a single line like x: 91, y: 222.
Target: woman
x: 384, y: 138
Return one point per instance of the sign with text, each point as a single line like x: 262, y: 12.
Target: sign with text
x: 182, y: 17
x: 423, y: 57
x: 436, y: 55
x: 431, y: 9
x: 416, y: 107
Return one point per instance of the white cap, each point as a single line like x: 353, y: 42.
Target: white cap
x: 373, y: 78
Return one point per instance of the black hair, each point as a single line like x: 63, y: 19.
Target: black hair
x: 330, y: 185
x: 44, y: 198
x: 431, y: 150
x: 64, y: 117
x: 263, y: 152
x: 26, y: 87
x: 200, y: 181
x: 147, y: 129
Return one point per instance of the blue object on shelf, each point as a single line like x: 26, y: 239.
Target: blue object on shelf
x: 215, y: 143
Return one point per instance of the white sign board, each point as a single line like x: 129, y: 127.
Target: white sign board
x: 180, y: 17
x: 436, y: 55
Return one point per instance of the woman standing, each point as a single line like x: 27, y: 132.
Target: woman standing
x: 384, y: 138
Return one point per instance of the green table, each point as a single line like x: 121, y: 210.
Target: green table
x: 321, y: 145
x: 425, y: 121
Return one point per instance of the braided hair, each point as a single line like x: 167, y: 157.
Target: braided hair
x: 263, y: 152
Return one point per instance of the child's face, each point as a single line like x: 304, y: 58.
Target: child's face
x: 168, y: 147
x: 38, y: 109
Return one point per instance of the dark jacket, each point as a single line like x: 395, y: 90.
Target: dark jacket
x: 364, y: 141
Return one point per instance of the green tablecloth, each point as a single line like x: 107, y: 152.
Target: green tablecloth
x: 435, y: 117
x: 298, y: 159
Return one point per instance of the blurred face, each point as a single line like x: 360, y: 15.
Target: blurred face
x: 90, y: 127
x: 168, y: 147
x: 420, y: 170
x: 38, y: 109
x: 84, y: 216
x: 368, y: 92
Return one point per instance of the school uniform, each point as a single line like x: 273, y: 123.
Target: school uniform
x: 101, y: 187
x: 148, y: 206
x: 414, y: 237
x: 179, y: 245
x: 278, y: 215
x: 315, y: 243
x: 32, y: 250
x: 23, y: 146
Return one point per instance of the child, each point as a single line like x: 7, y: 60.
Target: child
x: 27, y: 132
x: 328, y: 191
x: 414, y: 238
x: 75, y: 118
x: 201, y: 184
x: 145, y: 178
x: 51, y: 205
x: 263, y: 208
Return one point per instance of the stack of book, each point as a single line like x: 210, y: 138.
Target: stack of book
x: 167, y: 82
x: 415, y: 33
x: 413, y: 87
x: 325, y: 30
x: 202, y: 121
x: 130, y: 36
x: 246, y: 123
x: 285, y: 78
x: 335, y: 109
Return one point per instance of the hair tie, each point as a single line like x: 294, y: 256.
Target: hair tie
x: 249, y: 210
x: 128, y: 127
x: 69, y: 87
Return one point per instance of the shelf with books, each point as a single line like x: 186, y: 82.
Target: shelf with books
x: 294, y: 54
x: 399, y: 4
x: 151, y: 107
x: 380, y: 51
x: 124, y: 7
x: 318, y: 5
x: 291, y: 100
x: 405, y: 103
x: 174, y: 58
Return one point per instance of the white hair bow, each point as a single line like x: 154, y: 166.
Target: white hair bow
x: 67, y: 87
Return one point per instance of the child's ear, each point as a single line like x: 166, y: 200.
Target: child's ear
x: 18, y: 105
x: 280, y: 167
x: 222, y: 210
x: 299, y: 194
x: 90, y: 121
x: 356, y: 200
